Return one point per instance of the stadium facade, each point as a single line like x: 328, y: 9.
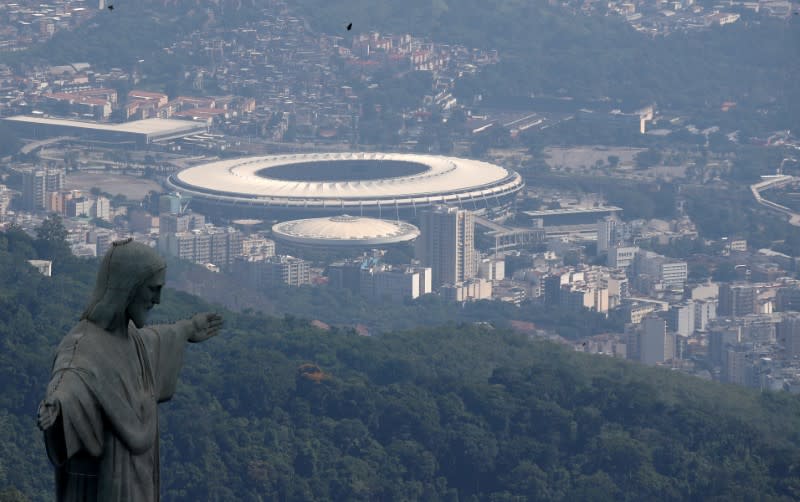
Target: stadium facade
x: 386, y: 185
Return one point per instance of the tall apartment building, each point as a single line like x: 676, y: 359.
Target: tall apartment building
x: 36, y: 183
x: 257, y: 272
x: 580, y: 295
x: 102, y: 208
x: 447, y: 244
x: 787, y: 298
x: 54, y: 179
x: 225, y: 246
x: 346, y: 275
x: 704, y: 312
x: 720, y: 336
x: 220, y: 246
x: 606, y: 234
x: 258, y: 246
x: 788, y: 333
x: 5, y: 201
x: 737, y: 367
x: 33, y: 189
x: 492, y: 269
x: 174, y: 223
x: 401, y: 283
x: 80, y: 206
x: 671, y: 274
x: 103, y: 240
x: 471, y: 289
x: 655, y: 344
x: 737, y: 300
x: 202, y: 246
x: 170, y: 204
x: 680, y: 318
x: 552, y: 289
x: 621, y: 256
x: 284, y: 270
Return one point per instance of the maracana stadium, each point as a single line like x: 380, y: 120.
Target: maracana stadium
x: 386, y: 185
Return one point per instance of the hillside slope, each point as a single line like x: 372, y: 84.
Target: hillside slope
x: 275, y: 409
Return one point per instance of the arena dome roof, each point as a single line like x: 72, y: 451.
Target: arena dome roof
x: 347, y: 182
x: 345, y: 230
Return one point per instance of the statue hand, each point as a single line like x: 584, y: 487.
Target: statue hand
x: 205, y: 326
x: 49, y: 410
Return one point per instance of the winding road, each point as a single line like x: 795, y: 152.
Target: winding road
x: 775, y: 182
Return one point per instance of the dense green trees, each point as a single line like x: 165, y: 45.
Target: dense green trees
x: 276, y: 409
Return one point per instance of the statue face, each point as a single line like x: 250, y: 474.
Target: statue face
x: 148, y: 295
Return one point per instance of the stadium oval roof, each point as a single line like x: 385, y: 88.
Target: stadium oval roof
x: 341, y: 181
x: 344, y: 231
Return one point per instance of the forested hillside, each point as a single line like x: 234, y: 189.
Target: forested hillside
x: 274, y: 409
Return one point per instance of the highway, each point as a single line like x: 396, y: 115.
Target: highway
x: 38, y: 144
x: 776, y: 182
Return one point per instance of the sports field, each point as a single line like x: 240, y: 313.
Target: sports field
x: 132, y: 187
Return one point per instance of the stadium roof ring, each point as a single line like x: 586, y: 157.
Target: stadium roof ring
x: 333, y: 183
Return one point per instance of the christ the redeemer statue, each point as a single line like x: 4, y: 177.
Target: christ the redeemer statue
x: 100, y: 417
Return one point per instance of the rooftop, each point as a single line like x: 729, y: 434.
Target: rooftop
x: 345, y: 230
x: 147, y: 126
x: 572, y: 210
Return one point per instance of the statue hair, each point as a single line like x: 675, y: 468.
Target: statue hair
x: 123, y: 270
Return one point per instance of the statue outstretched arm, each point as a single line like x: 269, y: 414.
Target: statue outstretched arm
x: 204, y: 326
x: 199, y: 328
x: 167, y: 343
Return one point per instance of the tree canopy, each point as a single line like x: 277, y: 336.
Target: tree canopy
x: 277, y: 409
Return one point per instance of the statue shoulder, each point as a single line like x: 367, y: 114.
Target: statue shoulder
x: 83, y: 331
x: 84, y: 340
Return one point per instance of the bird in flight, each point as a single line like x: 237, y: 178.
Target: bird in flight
x: 110, y: 7
x: 349, y: 26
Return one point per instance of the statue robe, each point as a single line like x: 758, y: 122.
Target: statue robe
x: 105, y: 443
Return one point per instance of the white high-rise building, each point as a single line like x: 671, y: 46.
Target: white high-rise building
x: 680, y: 318
x: 102, y: 209
x: 621, y: 256
x: 606, y: 234
x: 447, y: 244
x: 704, y: 312
x: 5, y: 201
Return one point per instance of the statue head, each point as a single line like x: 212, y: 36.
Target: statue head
x: 128, y: 284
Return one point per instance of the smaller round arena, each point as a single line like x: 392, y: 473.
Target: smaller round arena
x: 344, y: 232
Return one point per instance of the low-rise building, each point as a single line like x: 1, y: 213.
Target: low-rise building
x: 471, y: 289
x: 44, y: 267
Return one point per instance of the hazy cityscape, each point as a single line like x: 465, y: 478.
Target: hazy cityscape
x: 348, y: 178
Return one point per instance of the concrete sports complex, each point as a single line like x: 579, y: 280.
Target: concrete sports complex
x: 138, y: 132
x: 343, y: 232
x: 377, y: 184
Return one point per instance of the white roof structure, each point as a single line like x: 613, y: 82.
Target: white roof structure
x: 148, y: 130
x: 344, y: 231
x: 345, y: 182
